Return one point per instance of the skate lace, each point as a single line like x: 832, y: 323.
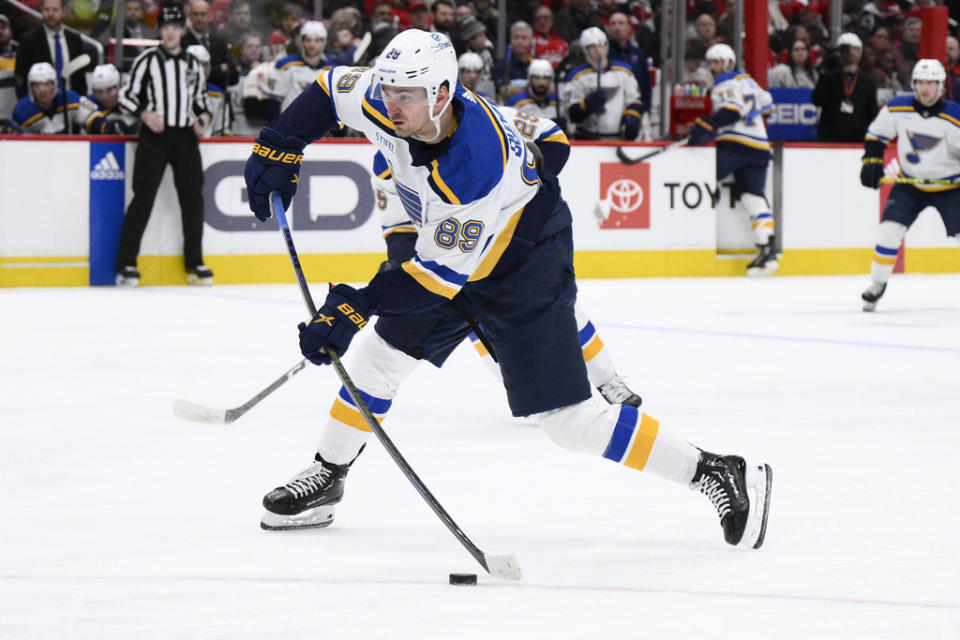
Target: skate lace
x: 713, y: 489
x: 616, y: 391
x: 309, y: 484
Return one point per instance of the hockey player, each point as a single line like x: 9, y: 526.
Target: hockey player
x: 608, y: 105
x: 471, y: 66
x: 743, y: 149
x: 99, y: 111
x: 292, y: 74
x: 399, y: 232
x: 493, y: 233
x: 536, y: 98
x: 221, y: 111
x: 41, y: 111
x: 928, y: 127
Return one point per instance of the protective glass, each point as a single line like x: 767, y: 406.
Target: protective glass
x: 401, y: 96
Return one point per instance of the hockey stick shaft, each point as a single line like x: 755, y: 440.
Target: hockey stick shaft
x: 931, y: 181
x: 625, y: 159
x: 276, y: 205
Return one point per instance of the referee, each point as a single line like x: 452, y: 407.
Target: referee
x: 167, y: 90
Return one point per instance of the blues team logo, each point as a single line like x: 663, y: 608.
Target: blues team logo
x: 920, y: 142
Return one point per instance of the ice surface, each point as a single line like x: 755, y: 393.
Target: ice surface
x: 121, y: 521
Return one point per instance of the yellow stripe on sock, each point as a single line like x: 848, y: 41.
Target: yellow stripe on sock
x: 349, y: 416
x: 884, y: 260
x: 593, y: 347
x: 481, y: 350
x: 642, y: 443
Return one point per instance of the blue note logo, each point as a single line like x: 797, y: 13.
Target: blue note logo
x: 107, y: 169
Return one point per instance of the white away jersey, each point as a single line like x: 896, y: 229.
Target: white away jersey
x: 288, y: 77
x: 620, y: 85
x: 740, y: 93
x: 466, y: 203
x: 927, y: 147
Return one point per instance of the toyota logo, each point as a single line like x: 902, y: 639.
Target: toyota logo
x: 624, y: 195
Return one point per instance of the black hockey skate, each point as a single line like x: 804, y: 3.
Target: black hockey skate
x: 765, y: 263
x: 873, y: 293
x: 128, y: 277
x: 201, y: 275
x: 306, y: 501
x: 616, y: 391
x: 740, y: 492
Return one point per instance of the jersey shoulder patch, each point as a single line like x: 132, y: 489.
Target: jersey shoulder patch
x: 582, y: 70
x: 290, y: 61
x: 901, y: 103
x: 26, y: 112
x: 951, y: 112
x: 380, y: 167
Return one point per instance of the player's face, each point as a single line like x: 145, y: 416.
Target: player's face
x: 469, y: 77
x: 717, y: 67
x: 44, y: 93
x: 540, y: 85
x: 107, y: 97
x: 927, y: 91
x: 408, y: 109
x: 312, y: 45
x: 596, y: 53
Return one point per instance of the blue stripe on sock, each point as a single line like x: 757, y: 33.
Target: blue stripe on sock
x: 887, y: 252
x: 379, y: 406
x: 587, y: 333
x: 622, y: 433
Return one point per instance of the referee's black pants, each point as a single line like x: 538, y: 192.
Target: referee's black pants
x: 178, y: 147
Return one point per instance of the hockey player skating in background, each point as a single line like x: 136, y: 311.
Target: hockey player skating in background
x: 928, y: 129
x: 100, y: 112
x: 400, y: 234
x: 743, y: 149
x: 608, y: 106
x: 494, y: 232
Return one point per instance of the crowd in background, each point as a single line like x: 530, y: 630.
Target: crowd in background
x: 251, y: 45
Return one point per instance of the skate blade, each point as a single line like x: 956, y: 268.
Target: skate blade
x: 315, y: 518
x: 869, y: 306
x: 193, y: 279
x: 766, y: 270
x: 759, y: 481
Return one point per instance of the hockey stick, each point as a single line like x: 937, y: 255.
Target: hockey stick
x: 68, y: 70
x: 627, y: 160
x: 199, y: 413
x: 502, y: 566
x: 931, y: 181
x: 362, y: 47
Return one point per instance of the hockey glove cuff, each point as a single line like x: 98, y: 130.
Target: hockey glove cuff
x: 345, y: 312
x: 702, y: 132
x: 871, y: 172
x: 630, y: 125
x: 274, y: 165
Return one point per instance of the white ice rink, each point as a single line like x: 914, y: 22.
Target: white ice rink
x: 118, y: 520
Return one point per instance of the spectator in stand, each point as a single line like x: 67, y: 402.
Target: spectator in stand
x: 623, y: 49
x: 135, y: 26
x: 908, y: 52
x: 281, y: 39
x: 510, y: 74
x: 100, y: 112
x: 887, y: 72
x: 811, y: 20
x: 251, y: 53
x: 8, y: 63
x: 880, y: 39
x: 704, y: 31
x: 797, y: 72
x: 846, y: 97
x: 577, y: 16
x: 475, y: 38
x: 346, y: 25
x: 444, y: 18
x: 238, y: 24
x: 952, y: 85
x: 695, y: 69
x: 605, y: 9
x: 50, y: 43
x: 487, y: 14
x: 537, y: 100
x: 419, y: 15
x: 223, y: 71
x: 40, y: 111
x: 548, y: 45
x: 382, y: 12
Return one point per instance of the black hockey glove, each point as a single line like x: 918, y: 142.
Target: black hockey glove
x: 274, y: 165
x: 118, y: 126
x: 594, y: 102
x: 345, y: 312
x: 629, y: 126
x: 871, y: 172
x: 702, y: 132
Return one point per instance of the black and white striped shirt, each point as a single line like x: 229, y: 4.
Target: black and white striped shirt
x: 173, y: 86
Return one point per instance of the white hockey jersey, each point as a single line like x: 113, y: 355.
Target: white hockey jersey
x: 928, y: 147
x: 618, y: 81
x: 466, y: 203
x: 288, y: 77
x: 96, y: 119
x: 33, y: 120
x: 739, y: 92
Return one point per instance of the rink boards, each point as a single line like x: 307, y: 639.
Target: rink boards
x: 62, y: 201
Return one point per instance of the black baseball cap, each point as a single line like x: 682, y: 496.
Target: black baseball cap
x: 171, y: 14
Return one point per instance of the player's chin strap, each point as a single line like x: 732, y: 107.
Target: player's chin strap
x: 435, y: 120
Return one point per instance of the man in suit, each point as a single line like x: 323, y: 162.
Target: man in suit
x: 50, y: 43
x: 223, y: 69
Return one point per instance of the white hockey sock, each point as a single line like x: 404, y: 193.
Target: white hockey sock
x: 889, y: 236
x: 377, y: 369
x: 600, y: 367
x: 486, y: 358
x: 760, y: 216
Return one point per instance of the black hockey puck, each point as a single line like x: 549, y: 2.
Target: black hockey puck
x: 463, y: 579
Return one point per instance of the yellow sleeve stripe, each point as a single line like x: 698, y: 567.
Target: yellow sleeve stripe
x: 617, y: 67
x: 950, y: 119
x: 907, y: 108
x: 379, y: 117
x: 323, y: 83
x: 733, y: 108
x: 385, y: 175
x: 435, y: 174
x: 496, y: 251
x: 410, y: 229
x: 560, y: 137
x: 292, y: 63
x: 91, y: 118
x: 427, y: 281
x: 581, y: 73
x: 33, y: 119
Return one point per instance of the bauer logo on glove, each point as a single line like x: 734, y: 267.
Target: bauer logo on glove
x: 333, y: 326
x: 275, y: 155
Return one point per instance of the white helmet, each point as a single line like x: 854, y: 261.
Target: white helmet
x: 591, y: 36
x: 540, y: 69
x: 470, y: 61
x: 199, y: 52
x: 926, y: 69
x: 41, y: 72
x: 105, y: 76
x: 850, y: 40
x: 313, y: 28
x: 724, y: 53
x: 416, y: 58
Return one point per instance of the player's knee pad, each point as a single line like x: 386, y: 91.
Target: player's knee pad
x: 890, y: 234
x: 584, y: 427
x: 377, y: 368
x: 754, y: 204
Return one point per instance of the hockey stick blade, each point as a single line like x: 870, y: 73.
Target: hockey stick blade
x: 505, y: 567
x: 194, y: 412
x: 80, y: 62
